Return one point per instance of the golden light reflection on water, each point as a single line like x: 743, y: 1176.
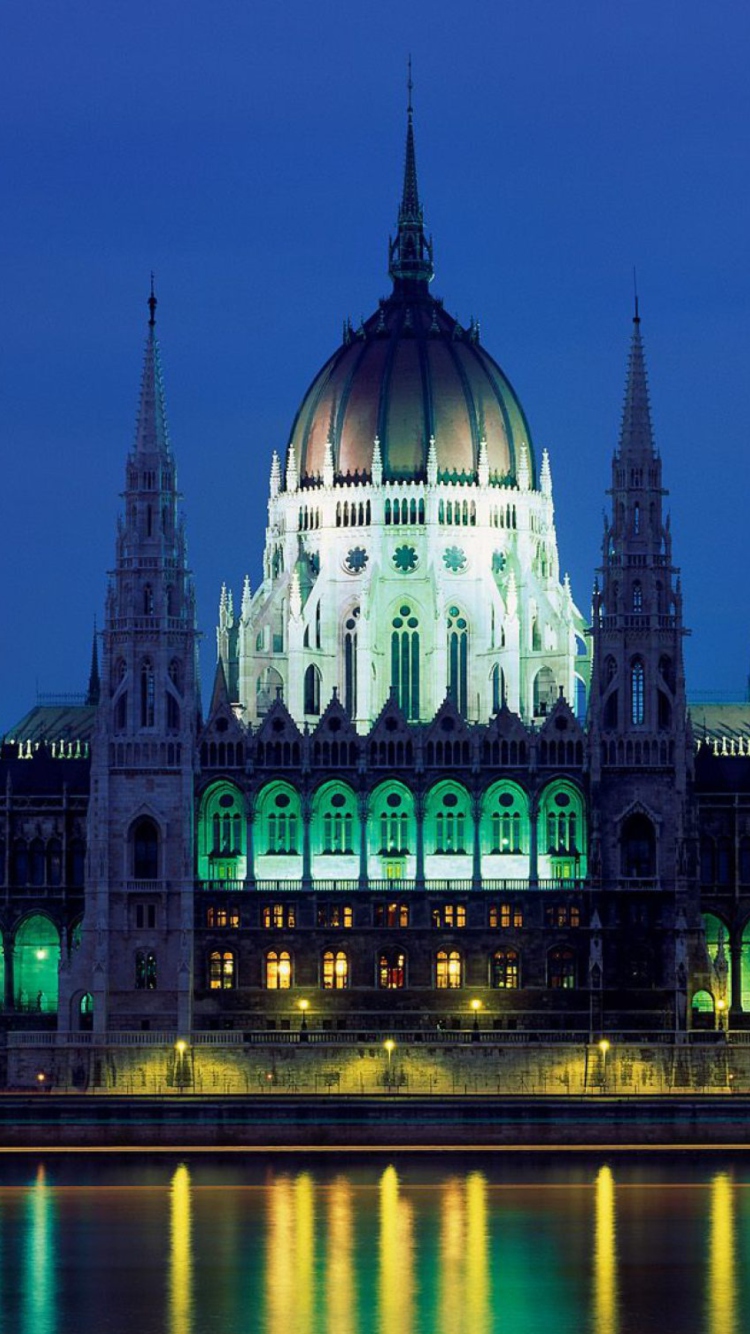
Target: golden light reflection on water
x: 722, y: 1282
x: 180, y: 1253
x: 464, y: 1265
x: 341, y: 1291
x: 477, y: 1255
x: 290, y: 1255
x: 605, y: 1255
x: 396, y: 1276
x: 39, y: 1296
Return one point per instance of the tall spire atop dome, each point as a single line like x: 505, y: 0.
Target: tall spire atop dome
x: 636, y: 433
x: 151, y: 431
x: 410, y: 254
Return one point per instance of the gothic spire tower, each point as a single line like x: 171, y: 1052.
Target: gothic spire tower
x: 139, y: 878
x: 641, y: 754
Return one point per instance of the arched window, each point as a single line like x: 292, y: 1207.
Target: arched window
x: 221, y: 970
x: 145, y: 840
x: 505, y: 820
x: 36, y: 963
x: 637, y: 693
x: 392, y: 970
x: 562, y: 832
x: 351, y: 625
x: 36, y: 863
x: 637, y: 595
x: 19, y: 867
x: 498, y: 688
x: 148, y: 592
x: 282, y: 819
x: 148, y: 693
x: 636, y: 519
x: 544, y: 691
x: 448, y: 819
x: 505, y: 970
x: 561, y: 969
x: 268, y: 687
x: 335, y: 970
x: 405, y: 661
x: 312, y: 690
x: 458, y: 659
x: 173, y: 708
x: 449, y: 970
x: 121, y: 704
x: 334, y: 819
x: 145, y: 971
x: 54, y: 862
x: 278, y: 970
x: 638, y: 847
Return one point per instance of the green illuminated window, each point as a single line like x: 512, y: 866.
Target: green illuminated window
x: 222, y: 834
x: 506, y: 970
x: 561, y: 969
x: 221, y: 970
x: 145, y: 971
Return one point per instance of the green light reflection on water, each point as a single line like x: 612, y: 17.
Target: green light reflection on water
x: 39, y: 1296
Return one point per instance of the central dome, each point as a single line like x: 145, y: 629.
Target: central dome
x: 409, y: 373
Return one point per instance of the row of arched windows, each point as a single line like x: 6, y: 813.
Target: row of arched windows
x: 37, y: 862
x: 404, y: 511
x: 448, y: 969
x: 335, y: 823
x: 147, y: 695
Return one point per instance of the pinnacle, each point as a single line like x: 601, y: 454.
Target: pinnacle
x: 636, y: 432
x: 152, y: 435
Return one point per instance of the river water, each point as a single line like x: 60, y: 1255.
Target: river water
x: 374, y: 1244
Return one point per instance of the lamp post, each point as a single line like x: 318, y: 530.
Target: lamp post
x: 304, y: 1006
x: 389, y: 1045
x: 179, y: 1073
x: 476, y: 1006
x: 604, y: 1048
x: 721, y: 1009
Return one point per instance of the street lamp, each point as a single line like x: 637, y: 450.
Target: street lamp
x: 476, y: 1006
x: 304, y: 1006
x: 389, y: 1045
x: 179, y: 1075
x: 604, y: 1048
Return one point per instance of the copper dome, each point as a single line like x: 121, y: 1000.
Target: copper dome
x: 408, y: 373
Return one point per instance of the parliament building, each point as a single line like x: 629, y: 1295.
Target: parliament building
x: 429, y: 793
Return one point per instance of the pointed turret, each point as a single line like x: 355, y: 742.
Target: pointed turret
x: 151, y: 434
x: 410, y: 258
x: 247, y: 598
x: 220, y: 693
x: 432, y: 463
x: 94, y: 689
x: 377, y: 463
x: 483, y: 469
x: 545, y: 475
x: 636, y: 432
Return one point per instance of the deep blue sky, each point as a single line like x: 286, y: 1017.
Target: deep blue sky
x: 252, y: 155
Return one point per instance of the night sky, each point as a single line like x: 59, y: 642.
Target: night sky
x: 251, y: 154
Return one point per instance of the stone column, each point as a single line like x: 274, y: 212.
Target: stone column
x: 306, y: 805
x: 476, y: 866
x: 533, y: 841
x: 9, y: 998
x: 735, y: 954
x: 250, y: 836
x: 362, y: 807
x: 419, y: 805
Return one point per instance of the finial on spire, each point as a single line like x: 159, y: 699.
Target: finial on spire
x: 636, y: 316
x: 410, y: 254
x: 152, y: 304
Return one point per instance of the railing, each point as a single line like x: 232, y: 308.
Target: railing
x: 404, y: 885
x: 146, y: 886
x: 374, y: 1035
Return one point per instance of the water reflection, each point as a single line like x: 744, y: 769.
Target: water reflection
x: 722, y: 1284
x: 396, y: 1277
x: 341, y: 1290
x: 180, y: 1254
x: 463, y: 1267
x: 38, y: 1314
x: 605, y: 1309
